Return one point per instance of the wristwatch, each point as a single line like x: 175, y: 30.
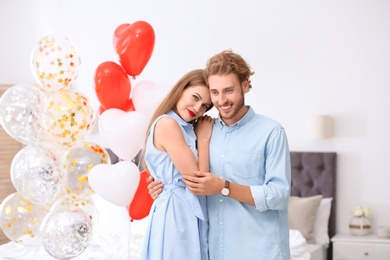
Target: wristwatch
x: 225, y: 190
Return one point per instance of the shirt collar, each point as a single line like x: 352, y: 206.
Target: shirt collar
x: 178, y: 118
x: 248, y: 116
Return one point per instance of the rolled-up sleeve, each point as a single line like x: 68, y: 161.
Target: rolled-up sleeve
x: 275, y: 192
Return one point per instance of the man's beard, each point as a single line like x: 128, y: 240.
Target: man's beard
x: 237, y: 107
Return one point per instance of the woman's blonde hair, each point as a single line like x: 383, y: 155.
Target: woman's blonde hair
x: 190, y: 79
x: 227, y: 62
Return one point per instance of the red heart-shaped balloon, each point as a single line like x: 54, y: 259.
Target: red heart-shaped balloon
x: 112, y: 86
x: 118, y: 37
x: 142, y: 201
x: 134, y: 44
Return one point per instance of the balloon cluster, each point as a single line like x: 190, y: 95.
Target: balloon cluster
x: 52, y: 205
x: 125, y: 110
x: 124, y: 114
x: 57, y: 171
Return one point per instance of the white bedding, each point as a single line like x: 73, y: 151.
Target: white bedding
x: 298, y: 247
x: 317, y: 252
x: 14, y: 250
x: 300, y: 250
x: 99, y: 249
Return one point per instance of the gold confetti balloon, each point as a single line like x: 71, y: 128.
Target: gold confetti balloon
x: 36, y: 172
x: 66, y: 231
x: 68, y: 117
x: 55, y: 62
x: 21, y: 219
x: 21, y: 108
x: 79, y: 159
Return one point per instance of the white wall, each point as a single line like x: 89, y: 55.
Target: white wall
x: 310, y: 57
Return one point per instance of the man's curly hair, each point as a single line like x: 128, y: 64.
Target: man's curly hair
x: 228, y: 62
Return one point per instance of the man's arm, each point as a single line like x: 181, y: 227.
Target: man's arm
x: 206, y: 183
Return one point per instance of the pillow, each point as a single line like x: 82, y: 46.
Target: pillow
x: 302, y: 214
x: 321, y: 224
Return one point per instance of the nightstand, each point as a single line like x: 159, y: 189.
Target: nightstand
x: 348, y: 247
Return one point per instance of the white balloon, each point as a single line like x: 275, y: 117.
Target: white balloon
x: 147, y: 95
x: 123, y: 132
x: 116, y: 183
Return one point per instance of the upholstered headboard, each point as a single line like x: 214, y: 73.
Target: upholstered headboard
x: 314, y: 173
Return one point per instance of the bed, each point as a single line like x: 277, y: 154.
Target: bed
x: 312, y: 216
x: 312, y: 205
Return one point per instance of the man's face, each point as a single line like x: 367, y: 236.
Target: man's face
x: 227, y: 95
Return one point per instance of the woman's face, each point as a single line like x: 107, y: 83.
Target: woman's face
x: 193, y: 103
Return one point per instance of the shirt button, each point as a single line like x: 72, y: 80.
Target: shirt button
x: 221, y: 200
x: 221, y: 223
x: 222, y: 155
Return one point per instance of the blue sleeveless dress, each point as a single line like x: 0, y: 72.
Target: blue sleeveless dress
x: 178, y: 219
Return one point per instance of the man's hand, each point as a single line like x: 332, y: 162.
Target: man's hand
x: 154, y: 187
x: 204, y: 183
x: 204, y: 128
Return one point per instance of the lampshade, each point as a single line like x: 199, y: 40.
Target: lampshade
x: 320, y: 126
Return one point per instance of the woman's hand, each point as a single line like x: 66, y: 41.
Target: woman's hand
x: 155, y: 188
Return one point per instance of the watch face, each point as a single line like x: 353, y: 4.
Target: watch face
x: 225, y: 191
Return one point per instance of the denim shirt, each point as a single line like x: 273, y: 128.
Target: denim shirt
x: 252, y: 152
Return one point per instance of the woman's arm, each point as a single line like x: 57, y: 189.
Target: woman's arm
x: 168, y: 137
x: 203, y: 131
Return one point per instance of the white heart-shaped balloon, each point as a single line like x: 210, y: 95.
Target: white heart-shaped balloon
x: 116, y: 183
x: 148, y: 95
x: 124, y: 132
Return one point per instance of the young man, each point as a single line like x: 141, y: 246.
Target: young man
x: 248, y: 186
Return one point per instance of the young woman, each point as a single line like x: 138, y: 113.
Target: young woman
x: 177, y: 220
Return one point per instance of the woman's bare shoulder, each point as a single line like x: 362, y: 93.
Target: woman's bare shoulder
x: 166, y: 122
